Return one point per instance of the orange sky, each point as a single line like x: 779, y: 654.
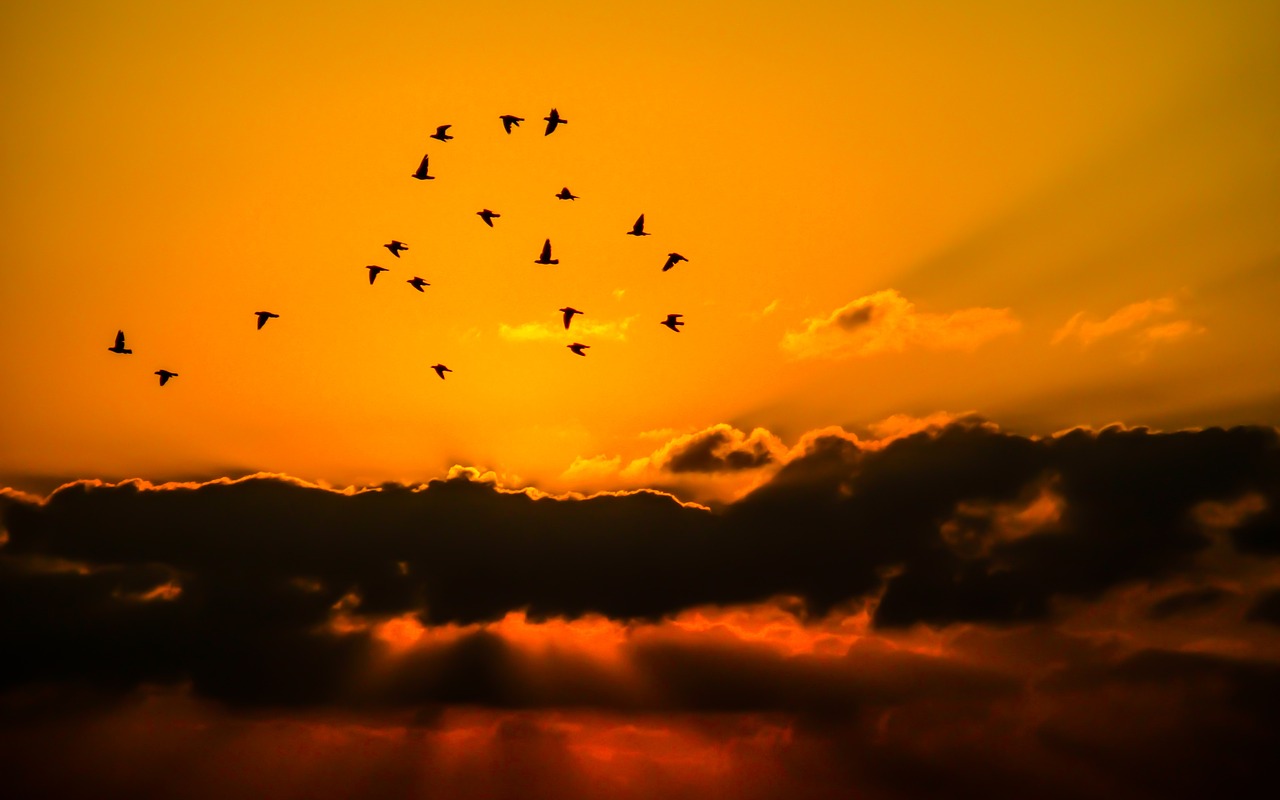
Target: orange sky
x: 1050, y: 216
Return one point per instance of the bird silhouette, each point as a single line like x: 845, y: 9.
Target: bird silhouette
x: 672, y: 260
x: 421, y: 174
x: 546, y: 258
x: 441, y: 369
x: 578, y: 348
x: 487, y: 216
x: 509, y: 121
x: 553, y: 121
x: 263, y: 316
x: 416, y: 283
x: 638, y: 228
x: 565, y: 194
x: 440, y: 133
x: 119, y: 345
x: 395, y: 247
x: 165, y: 375
x: 673, y: 322
x: 374, y: 269
x: 569, y: 311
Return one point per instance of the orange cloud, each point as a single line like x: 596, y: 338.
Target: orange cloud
x: 886, y: 322
x: 1133, y: 317
x: 615, y: 330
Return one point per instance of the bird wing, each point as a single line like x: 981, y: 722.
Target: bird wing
x: 639, y: 226
x: 546, y: 250
x: 120, y: 339
x: 442, y: 128
x: 422, y: 168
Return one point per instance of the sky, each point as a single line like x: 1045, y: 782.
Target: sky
x: 968, y: 441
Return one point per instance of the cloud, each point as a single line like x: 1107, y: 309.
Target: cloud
x: 886, y: 322
x: 1137, y: 320
x: 232, y: 585
x: 720, y: 448
x: 1188, y: 602
x: 615, y: 330
x: 716, y: 464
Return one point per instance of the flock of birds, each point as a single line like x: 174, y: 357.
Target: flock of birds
x: 509, y: 121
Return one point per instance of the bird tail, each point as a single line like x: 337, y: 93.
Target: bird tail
x: 554, y: 261
x: 126, y: 351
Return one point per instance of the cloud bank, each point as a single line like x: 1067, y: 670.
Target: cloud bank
x: 954, y: 608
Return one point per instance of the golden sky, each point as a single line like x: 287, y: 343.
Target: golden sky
x: 862, y: 528
x: 1046, y: 215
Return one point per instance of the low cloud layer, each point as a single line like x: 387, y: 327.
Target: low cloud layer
x: 993, y: 595
x: 886, y: 322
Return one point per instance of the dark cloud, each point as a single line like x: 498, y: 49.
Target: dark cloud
x: 232, y: 585
x: 1188, y: 602
x: 851, y: 318
x: 1266, y: 608
x: 719, y: 449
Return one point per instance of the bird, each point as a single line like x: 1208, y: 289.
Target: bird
x: 638, y: 228
x: 416, y: 283
x: 578, y: 348
x: 553, y: 121
x: 263, y: 316
x: 441, y: 369
x: 421, y: 174
x: 487, y: 216
x: 569, y: 311
x: 374, y: 269
x: 546, y: 258
x: 509, y: 121
x: 165, y: 375
x: 673, y: 322
x: 119, y: 345
x: 440, y: 133
x: 672, y: 260
x: 395, y: 247
x: 565, y: 194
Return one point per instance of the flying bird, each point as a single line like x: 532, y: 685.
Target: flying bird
x: 263, y: 316
x: 578, y: 348
x: 395, y: 247
x: 509, y: 121
x: 421, y: 174
x: 416, y: 283
x: 569, y: 311
x: 672, y: 260
x: 374, y: 269
x: 441, y: 369
x: 119, y: 346
x: 487, y: 216
x: 638, y: 228
x: 565, y: 194
x: 673, y: 322
x: 553, y: 121
x: 165, y: 375
x: 440, y: 133
x: 546, y: 258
